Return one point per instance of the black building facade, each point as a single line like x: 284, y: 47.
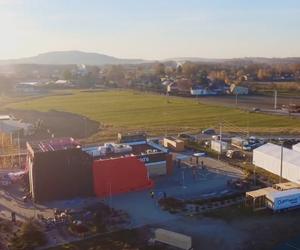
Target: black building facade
x: 59, y: 169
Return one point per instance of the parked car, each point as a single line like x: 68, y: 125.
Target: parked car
x: 256, y: 109
x: 187, y: 137
x: 235, y: 154
x: 208, y: 131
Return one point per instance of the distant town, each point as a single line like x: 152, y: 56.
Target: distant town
x: 174, y: 154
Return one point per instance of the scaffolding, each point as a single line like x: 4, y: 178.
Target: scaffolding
x: 10, y: 153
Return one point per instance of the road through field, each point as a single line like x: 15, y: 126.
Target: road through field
x: 250, y: 101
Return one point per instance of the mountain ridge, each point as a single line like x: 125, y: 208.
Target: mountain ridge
x: 92, y: 58
x: 71, y: 57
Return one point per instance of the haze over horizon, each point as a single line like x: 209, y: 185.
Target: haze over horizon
x: 151, y: 30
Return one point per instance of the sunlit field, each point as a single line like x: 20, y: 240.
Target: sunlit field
x: 120, y: 110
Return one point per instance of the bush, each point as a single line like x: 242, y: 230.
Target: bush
x: 29, y: 237
x: 171, y: 203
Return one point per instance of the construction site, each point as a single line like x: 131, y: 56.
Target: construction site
x: 152, y: 180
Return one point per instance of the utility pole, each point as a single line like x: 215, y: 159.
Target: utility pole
x: 275, y: 99
x: 220, y: 153
x: 19, y: 149
x: 254, y: 175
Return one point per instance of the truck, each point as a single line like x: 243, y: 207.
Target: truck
x: 283, y: 200
x: 240, y: 143
x: 291, y: 108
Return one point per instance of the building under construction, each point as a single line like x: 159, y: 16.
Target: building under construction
x: 62, y: 168
x: 59, y: 169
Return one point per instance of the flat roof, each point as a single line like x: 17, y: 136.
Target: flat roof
x: 261, y: 192
x: 287, y: 185
x: 5, y: 117
x: 273, y: 150
x: 136, y: 150
x: 171, y: 138
x: 54, y: 144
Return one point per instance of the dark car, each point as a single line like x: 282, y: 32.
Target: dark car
x: 209, y: 131
x: 187, y: 137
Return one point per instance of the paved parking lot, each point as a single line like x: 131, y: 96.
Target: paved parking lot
x: 209, y: 182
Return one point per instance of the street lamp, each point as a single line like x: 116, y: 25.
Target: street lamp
x: 281, y: 161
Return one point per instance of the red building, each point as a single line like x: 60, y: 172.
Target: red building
x: 120, y: 175
x: 121, y: 168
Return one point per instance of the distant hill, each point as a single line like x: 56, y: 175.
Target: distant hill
x: 79, y: 57
x: 72, y: 57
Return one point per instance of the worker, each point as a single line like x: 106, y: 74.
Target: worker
x: 13, y: 216
x: 152, y: 194
x: 165, y: 195
x: 194, y: 173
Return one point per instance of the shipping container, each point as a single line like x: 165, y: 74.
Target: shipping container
x: 283, y: 199
x: 174, y: 144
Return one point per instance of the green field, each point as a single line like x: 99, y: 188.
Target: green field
x: 120, y: 110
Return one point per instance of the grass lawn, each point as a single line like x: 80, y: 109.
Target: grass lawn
x: 120, y: 110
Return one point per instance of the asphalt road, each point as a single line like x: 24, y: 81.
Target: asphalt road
x: 250, y: 101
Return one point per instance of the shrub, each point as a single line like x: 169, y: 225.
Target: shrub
x: 29, y: 237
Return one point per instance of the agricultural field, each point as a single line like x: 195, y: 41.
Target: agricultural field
x: 125, y: 110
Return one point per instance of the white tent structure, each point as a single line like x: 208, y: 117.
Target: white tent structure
x: 268, y: 157
x: 296, y: 147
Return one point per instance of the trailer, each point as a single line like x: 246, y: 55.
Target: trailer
x: 283, y: 200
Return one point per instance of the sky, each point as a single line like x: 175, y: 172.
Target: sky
x: 151, y: 29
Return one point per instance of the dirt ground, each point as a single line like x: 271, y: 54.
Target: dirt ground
x: 61, y: 124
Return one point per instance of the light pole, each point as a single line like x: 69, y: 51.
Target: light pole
x: 275, y: 99
x: 281, y: 161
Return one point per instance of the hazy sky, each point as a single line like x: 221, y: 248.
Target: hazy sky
x: 151, y: 29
